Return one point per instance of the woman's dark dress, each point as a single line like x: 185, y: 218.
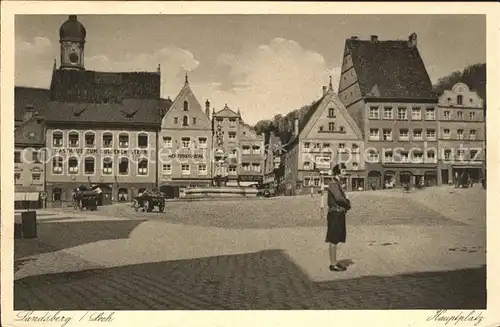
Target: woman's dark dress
x: 338, y: 205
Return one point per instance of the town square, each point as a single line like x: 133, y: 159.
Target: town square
x: 265, y: 167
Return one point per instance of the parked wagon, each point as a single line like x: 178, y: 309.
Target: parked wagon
x: 148, y: 200
x: 86, y: 199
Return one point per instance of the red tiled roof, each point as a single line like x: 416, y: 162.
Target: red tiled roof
x: 98, y: 87
x: 129, y: 111
x: 390, y: 69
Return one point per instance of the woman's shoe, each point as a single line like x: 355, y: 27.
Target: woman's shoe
x: 337, y: 267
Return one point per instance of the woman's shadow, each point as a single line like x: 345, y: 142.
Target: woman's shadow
x: 346, y: 262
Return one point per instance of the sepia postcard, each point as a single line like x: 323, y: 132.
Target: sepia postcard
x: 249, y: 163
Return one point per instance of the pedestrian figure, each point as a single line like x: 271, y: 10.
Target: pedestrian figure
x: 312, y: 191
x: 338, y: 205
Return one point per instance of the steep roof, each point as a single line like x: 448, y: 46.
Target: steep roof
x: 103, y: 97
x: 226, y: 112
x: 309, y: 112
x: 129, y: 111
x: 29, y: 96
x: 103, y: 87
x: 390, y: 69
x: 31, y: 132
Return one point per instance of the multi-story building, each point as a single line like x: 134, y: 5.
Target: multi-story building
x: 228, y: 122
x: 461, y: 126
x: 272, y: 159
x: 101, y: 128
x: 28, y: 100
x: 29, y: 168
x: 243, y: 146
x: 325, y: 136
x: 251, y: 155
x: 386, y: 89
x: 185, y: 142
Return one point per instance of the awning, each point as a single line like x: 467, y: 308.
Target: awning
x: 27, y: 196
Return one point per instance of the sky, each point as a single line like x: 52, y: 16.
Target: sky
x: 261, y: 64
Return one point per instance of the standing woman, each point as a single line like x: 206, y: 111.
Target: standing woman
x: 338, y: 205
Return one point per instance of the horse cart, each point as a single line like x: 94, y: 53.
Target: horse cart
x: 86, y: 199
x: 147, y: 200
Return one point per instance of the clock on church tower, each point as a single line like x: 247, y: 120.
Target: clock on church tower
x: 72, y: 38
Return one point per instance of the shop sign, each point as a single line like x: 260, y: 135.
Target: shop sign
x: 101, y: 151
x: 185, y: 156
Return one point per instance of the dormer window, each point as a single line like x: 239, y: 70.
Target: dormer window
x: 185, y: 121
x: 460, y: 99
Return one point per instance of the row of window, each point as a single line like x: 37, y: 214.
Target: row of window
x: 185, y: 120
x: 417, y: 134
x: 202, y: 168
x: 416, y: 156
x: 459, y: 115
x: 416, y: 114
x: 232, y: 121
x: 185, y: 169
x: 89, y: 166
x: 331, y: 128
x: 36, y: 178
x: 186, y: 142
x: 309, y: 166
x: 90, y: 139
x: 402, y: 113
x: 312, y: 147
x: 35, y: 157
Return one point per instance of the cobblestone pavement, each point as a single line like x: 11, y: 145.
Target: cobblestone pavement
x: 429, y: 207
x: 262, y: 280
x: 404, y: 253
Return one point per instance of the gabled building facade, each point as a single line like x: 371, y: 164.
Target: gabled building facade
x: 244, y: 148
x: 272, y: 159
x: 251, y: 156
x: 229, y: 123
x: 185, y: 142
x: 386, y: 89
x: 101, y: 127
x: 29, y: 157
x: 326, y: 135
x: 462, y: 134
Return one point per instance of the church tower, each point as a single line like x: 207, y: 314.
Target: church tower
x: 72, y: 39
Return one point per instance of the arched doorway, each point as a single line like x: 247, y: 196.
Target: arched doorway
x: 122, y: 195
x: 389, y: 179
x: 430, y: 178
x: 405, y: 177
x: 57, y: 194
x: 374, y: 180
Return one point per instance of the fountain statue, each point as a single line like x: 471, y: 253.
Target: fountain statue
x: 221, y: 171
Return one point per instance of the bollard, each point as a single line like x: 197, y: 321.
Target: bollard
x: 29, y: 224
x: 18, y: 231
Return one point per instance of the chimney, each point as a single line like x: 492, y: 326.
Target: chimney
x: 412, y: 40
x: 354, y: 37
x: 324, y: 89
x: 296, y: 127
x: 28, y: 112
x: 374, y: 38
x: 207, y: 108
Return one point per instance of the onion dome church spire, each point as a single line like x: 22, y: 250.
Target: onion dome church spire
x: 72, y: 39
